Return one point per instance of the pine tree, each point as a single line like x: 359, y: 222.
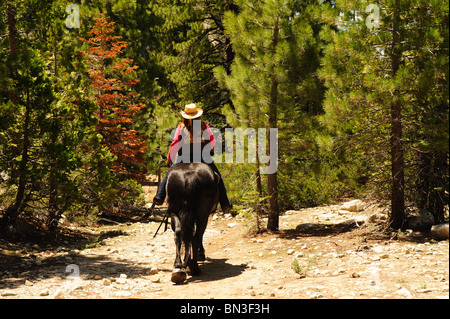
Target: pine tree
x: 112, y: 80
x: 376, y: 93
x: 276, y: 54
x: 192, y: 43
x: 40, y: 130
x: 49, y: 146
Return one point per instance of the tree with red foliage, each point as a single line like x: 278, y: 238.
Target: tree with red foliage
x: 112, y: 79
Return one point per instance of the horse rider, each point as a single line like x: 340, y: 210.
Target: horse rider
x: 185, y: 134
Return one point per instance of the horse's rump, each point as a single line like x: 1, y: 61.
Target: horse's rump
x: 188, y: 182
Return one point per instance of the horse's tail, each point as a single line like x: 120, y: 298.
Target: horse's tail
x: 188, y: 207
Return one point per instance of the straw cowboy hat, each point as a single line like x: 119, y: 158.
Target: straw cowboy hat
x: 191, y: 111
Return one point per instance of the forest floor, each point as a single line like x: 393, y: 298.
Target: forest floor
x: 125, y: 261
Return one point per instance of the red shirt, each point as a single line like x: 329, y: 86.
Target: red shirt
x: 175, y: 145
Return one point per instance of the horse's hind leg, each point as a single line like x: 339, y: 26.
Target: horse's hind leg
x: 198, y: 251
x: 179, y: 273
x: 187, y: 250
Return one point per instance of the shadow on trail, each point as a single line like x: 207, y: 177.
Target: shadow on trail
x: 142, y: 216
x: 321, y: 229
x: 90, y: 266
x: 217, y: 269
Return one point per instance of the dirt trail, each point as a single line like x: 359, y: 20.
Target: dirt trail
x: 134, y: 265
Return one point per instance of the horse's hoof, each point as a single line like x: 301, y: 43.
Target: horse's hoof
x: 178, y: 276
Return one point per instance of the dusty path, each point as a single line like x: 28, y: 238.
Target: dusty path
x: 134, y: 265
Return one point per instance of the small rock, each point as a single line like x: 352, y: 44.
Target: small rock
x: 440, y: 231
x: 106, y: 282
x: 355, y: 275
x: 123, y: 294
x: 155, y: 279
x: 378, y: 249
x: 97, y: 277
x: 377, y: 218
x: 425, y: 290
x: 28, y: 283
x: 8, y: 293
x: 252, y: 293
x: 290, y: 251
x: 121, y: 280
x: 78, y: 286
x: 153, y: 270
x: 404, y: 293
x: 58, y: 294
x: 9, y: 252
x: 44, y: 292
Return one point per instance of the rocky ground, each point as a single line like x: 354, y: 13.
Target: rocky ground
x: 298, y: 262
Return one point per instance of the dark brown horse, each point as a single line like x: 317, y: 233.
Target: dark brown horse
x: 192, y: 194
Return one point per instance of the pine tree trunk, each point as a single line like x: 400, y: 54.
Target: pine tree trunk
x: 272, y: 183
x: 12, y: 36
x: 397, y: 217
x: 54, y: 212
x: 258, y: 188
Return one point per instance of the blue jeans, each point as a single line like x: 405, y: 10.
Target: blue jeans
x: 223, y: 198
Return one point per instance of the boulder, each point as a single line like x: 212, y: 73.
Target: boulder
x: 440, y: 231
x: 419, y: 219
